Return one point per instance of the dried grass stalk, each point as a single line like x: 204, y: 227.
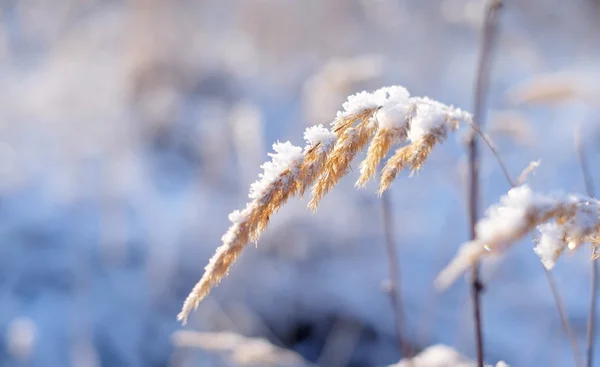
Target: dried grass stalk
x: 247, y: 225
x: 250, y: 223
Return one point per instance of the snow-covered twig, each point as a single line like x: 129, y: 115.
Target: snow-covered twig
x: 564, y: 222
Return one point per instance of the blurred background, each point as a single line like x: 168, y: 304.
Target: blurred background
x: 130, y: 129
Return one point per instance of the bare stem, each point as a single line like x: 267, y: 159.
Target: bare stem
x: 563, y: 318
x: 495, y: 152
x: 483, y: 70
x: 591, y: 321
x: 394, y: 275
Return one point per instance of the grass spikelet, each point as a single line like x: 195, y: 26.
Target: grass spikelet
x: 394, y: 165
x: 349, y: 143
x: 423, y: 148
x: 346, y: 121
x: 277, y: 195
x: 312, y: 167
x: 428, y: 128
x: 320, y: 142
x: 380, y: 145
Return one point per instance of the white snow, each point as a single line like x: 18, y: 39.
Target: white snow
x: 427, y: 118
x: 508, y: 217
x: 550, y: 244
x: 318, y: 134
x: 361, y: 101
x: 395, y: 105
x: 394, y: 110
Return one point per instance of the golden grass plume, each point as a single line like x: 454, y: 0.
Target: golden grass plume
x: 389, y: 115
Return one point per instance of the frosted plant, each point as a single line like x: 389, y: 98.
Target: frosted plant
x: 288, y: 173
x: 563, y: 222
x: 385, y: 117
x: 429, y: 126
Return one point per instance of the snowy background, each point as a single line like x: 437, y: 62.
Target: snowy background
x: 130, y: 129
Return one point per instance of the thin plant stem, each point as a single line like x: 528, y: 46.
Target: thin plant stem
x: 494, y: 151
x: 481, y: 83
x: 394, y: 275
x: 563, y: 316
x: 591, y: 321
x: 557, y: 298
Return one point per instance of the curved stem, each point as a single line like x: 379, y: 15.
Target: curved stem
x: 494, y: 151
x: 394, y: 275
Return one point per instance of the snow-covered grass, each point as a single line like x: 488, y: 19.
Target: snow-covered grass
x: 124, y: 147
x: 425, y: 122
x: 563, y: 221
